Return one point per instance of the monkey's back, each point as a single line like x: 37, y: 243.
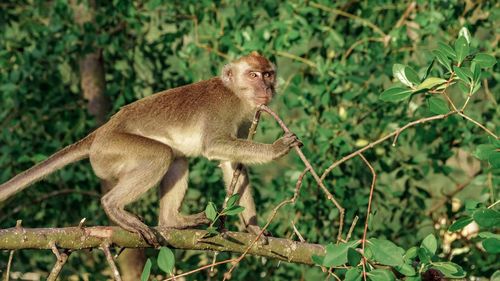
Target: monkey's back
x: 178, y: 117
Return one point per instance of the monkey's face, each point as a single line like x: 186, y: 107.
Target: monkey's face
x: 260, y: 84
x: 252, y: 77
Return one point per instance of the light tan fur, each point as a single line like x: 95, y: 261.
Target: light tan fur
x: 148, y: 142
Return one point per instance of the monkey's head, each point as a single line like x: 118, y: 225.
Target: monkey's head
x: 252, y: 78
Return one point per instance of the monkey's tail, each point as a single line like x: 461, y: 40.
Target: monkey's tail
x: 63, y: 157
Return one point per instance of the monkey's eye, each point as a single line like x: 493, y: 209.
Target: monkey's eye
x: 267, y: 74
x: 253, y: 74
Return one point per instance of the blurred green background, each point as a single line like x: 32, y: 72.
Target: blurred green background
x: 334, y: 58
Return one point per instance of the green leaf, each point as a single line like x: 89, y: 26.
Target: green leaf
x: 353, y: 257
x: 386, y: 252
x: 484, y: 151
x: 487, y: 217
x: 463, y: 87
x: 234, y: 210
x: 211, y: 211
x: 430, y: 243
x: 430, y: 83
x: 484, y: 60
x: 449, y: 269
x: 395, y: 94
x: 492, y: 245
x: 442, y: 59
x: 476, y: 72
x: 146, y: 271
x: 487, y: 234
x: 462, y: 49
x: 412, y: 75
x: 464, y: 32
x: 232, y: 200
x: 317, y: 259
x: 471, y: 205
x: 398, y: 70
x: 428, y: 70
x: 411, y: 253
x: 335, y: 255
x: 447, y: 50
x: 166, y: 260
x: 381, y: 275
x: 424, y: 255
x: 495, y: 276
x: 462, y: 74
x: 460, y: 223
x: 406, y: 269
x: 476, y: 88
x: 353, y: 274
x: 212, y: 230
x: 437, y: 105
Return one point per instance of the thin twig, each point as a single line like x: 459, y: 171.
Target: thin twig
x: 331, y: 273
x: 351, y: 16
x: 55, y: 250
x: 478, y: 124
x: 370, y: 198
x: 239, y: 166
x: 359, y: 42
x: 199, y: 269
x: 446, y: 197
x: 351, y: 229
x: 9, y: 264
x: 214, y: 260
x: 111, y: 262
x: 406, y: 13
x: 493, y: 205
x: 296, y: 231
x: 313, y: 173
x: 297, y: 58
x: 62, y: 258
x: 298, y: 184
x: 43, y: 198
x: 372, y: 144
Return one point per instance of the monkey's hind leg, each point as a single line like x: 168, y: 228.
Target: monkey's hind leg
x: 135, y: 164
x: 172, y: 191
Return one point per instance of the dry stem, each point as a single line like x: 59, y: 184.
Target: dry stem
x: 62, y: 258
x: 111, y: 262
x: 9, y: 264
x: 269, y: 220
x: 365, y: 231
x: 313, y: 173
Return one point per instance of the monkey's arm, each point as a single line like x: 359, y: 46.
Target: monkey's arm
x: 248, y: 152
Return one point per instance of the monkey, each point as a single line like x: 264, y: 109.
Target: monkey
x: 149, y: 142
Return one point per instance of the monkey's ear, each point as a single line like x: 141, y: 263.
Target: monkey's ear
x: 227, y: 74
x: 255, y: 54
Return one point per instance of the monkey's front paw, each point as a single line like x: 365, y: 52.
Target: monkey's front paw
x: 283, y: 145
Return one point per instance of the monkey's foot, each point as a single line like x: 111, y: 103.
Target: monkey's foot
x: 150, y: 237
x: 147, y: 233
x: 183, y: 222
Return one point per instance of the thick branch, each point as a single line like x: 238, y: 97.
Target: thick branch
x: 76, y: 238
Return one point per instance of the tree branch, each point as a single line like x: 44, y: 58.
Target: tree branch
x: 75, y: 238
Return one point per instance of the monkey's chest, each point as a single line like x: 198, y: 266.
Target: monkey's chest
x: 183, y: 141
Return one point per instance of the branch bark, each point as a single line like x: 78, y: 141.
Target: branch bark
x: 75, y: 238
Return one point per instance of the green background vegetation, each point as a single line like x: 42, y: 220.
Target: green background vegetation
x: 332, y: 69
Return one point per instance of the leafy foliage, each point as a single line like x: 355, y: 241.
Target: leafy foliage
x: 337, y: 71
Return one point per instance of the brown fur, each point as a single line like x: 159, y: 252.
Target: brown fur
x: 148, y: 142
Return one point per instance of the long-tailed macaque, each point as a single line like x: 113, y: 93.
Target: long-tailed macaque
x: 148, y: 142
